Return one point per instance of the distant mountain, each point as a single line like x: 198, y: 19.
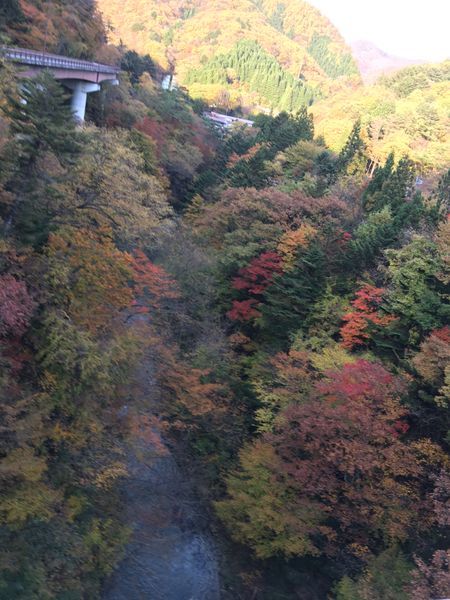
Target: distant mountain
x: 278, y: 54
x: 374, y: 62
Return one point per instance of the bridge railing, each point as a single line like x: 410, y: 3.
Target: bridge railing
x: 43, y: 59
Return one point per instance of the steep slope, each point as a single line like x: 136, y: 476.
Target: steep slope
x: 374, y: 62
x: 405, y: 113
x: 187, y: 35
x: 61, y: 26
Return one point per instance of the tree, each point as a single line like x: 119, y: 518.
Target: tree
x: 431, y: 580
x: 284, y: 379
x: 290, y: 298
x: 291, y: 241
x: 254, y: 280
x: 11, y: 14
x: 136, y: 65
x: 352, y: 152
x: 42, y: 122
x: 385, y: 578
x: 375, y: 234
x: 110, y: 187
x: 244, y: 310
x: 391, y: 186
x: 16, y: 306
x: 433, y: 363
x: 153, y: 288
x: 45, y: 143
x: 257, y: 276
x: 261, y: 510
x: 88, y: 276
x: 355, y: 331
x: 335, y: 476
x: 414, y: 291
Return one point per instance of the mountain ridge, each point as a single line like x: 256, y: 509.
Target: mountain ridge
x: 373, y: 61
x: 182, y: 35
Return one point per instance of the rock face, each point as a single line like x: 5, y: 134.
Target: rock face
x: 373, y: 62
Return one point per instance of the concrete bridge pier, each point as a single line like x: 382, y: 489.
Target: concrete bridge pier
x: 80, y: 76
x: 80, y: 90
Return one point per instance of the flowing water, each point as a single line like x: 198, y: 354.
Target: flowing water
x: 171, y: 555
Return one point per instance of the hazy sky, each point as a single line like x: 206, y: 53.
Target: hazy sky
x: 405, y: 28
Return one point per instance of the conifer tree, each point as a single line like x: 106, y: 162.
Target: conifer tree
x: 43, y: 126
x: 291, y: 297
x: 11, y: 14
x: 354, y: 147
x: 43, y: 121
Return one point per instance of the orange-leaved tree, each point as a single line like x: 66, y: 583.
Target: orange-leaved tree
x: 152, y: 285
x: 355, y: 331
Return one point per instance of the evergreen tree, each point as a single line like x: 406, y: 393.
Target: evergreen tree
x: 11, y: 14
x: 292, y: 295
x: 44, y: 134
x: 391, y: 186
x: 42, y: 121
x: 370, y: 238
x: 260, y: 71
x: 398, y: 187
x: 416, y: 293
x: 137, y: 65
x: 334, y: 66
x: 353, y: 149
x: 380, y: 175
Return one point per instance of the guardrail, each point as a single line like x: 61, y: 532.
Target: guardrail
x: 43, y: 59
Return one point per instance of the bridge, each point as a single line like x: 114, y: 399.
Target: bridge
x: 225, y: 121
x: 80, y: 76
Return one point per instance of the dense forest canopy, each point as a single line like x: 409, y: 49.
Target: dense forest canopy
x: 186, y: 35
x: 280, y: 56
x: 406, y: 113
x: 61, y: 26
x: 285, y: 285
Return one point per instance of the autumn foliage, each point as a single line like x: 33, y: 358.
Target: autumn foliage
x: 254, y: 279
x: 16, y: 306
x: 292, y: 241
x: 335, y: 467
x: 170, y: 289
x: 152, y: 286
x: 355, y: 331
x: 90, y: 275
x: 258, y: 275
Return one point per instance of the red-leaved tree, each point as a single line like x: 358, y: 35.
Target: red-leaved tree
x: 245, y: 310
x: 16, y: 306
x: 365, y: 312
x: 254, y: 279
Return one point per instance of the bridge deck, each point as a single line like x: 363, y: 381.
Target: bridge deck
x: 54, y: 61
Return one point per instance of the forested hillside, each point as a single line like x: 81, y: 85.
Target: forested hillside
x: 200, y: 41
x: 272, y: 56
x: 266, y: 305
x: 61, y: 26
x: 406, y: 113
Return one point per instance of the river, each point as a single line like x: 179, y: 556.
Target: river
x: 171, y: 554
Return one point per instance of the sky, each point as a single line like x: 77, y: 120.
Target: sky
x: 404, y: 28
